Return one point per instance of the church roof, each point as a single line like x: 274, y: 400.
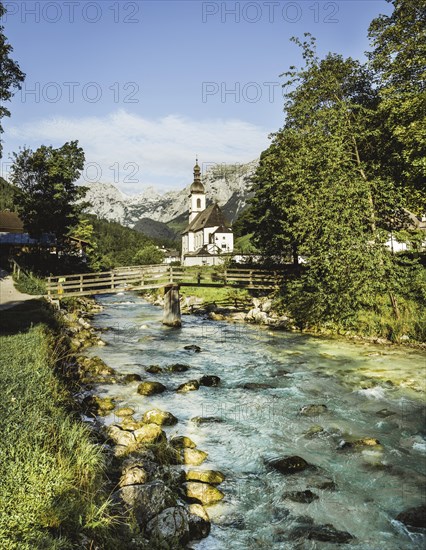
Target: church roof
x: 212, y: 216
x: 223, y: 229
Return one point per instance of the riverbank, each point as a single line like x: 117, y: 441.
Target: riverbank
x: 53, y: 492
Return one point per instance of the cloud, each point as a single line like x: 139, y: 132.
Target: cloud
x: 134, y: 153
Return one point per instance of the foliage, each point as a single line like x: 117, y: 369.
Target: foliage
x: 150, y: 254
x: 321, y: 193
x: 113, y: 244
x: 398, y: 60
x: 51, y: 490
x: 47, y: 194
x: 30, y: 284
x: 11, y: 74
x: 7, y: 194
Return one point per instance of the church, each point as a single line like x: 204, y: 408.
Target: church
x: 208, y: 238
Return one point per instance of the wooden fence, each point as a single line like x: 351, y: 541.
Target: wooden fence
x: 158, y: 276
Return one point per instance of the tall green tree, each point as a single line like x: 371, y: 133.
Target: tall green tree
x: 398, y: 60
x: 318, y: 192
x: 11, y: 74
x: 48, y: 198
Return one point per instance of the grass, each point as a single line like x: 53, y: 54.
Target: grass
x: 30, y: 284
x: 52, y: 472
x: 221, y: 296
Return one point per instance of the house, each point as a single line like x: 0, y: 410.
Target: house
x: 208, y: 239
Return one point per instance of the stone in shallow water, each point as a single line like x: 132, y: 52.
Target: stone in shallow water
x: 199, y: 522
x: 178, y: 367
x: 321, y: 533
x: 256, y: 386
x: 181, y: 441
x: 154, y: 369
x: 125, y: 411
x: 132, y: 377
x: 313, y: 410
x: 202, y: 492
x: 193, y: 457
x: 206, y: 420
x: 359, y: 443
x: 210, y: 380
x: 205, y: 476
x: 384, y: 413
x: 162, y: 418
x: 413, y: 517
x: 149, y: 433
x: 289, y: 464
x: 191, y: 385
x: 314, y: 431
x: 192, y: 347
x: 150, y: 388
x: 304, y: 497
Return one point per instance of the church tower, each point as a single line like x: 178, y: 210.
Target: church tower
x: 197, y: 197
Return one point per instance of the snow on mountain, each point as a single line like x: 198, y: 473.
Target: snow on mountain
x: 228, y: 185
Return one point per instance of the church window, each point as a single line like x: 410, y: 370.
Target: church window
x: 198, y: 203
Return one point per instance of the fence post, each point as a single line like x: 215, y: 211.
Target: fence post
x: 49, y: 280
x: 112, y: 279
x: 171, y: 274
x: 81, y: 283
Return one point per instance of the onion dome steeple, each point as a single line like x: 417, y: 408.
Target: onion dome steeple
x: 197, y: 186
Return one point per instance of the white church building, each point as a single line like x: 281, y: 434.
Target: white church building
x: 208, y: 238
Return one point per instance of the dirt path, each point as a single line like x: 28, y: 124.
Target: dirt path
x: 9, y: 296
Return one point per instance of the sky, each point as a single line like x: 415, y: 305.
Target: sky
x: 145, y: 86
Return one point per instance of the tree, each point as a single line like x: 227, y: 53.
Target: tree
x: 150, y: 254
x: 398, y: 59
x: 48, y: 196
x: 11, y: 74
x: 318, y: 192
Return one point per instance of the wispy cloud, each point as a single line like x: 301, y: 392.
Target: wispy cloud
x: 134, y: 153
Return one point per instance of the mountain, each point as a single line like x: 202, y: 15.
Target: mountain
x: 154, y: 229
x: 228, y: 185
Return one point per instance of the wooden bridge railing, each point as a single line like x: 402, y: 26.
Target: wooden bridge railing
x: 157, y: 276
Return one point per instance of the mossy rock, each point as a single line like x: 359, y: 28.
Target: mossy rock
x: 203, y: 493
x: 205, y: 476
x: 178, y: 367
x: 210, y: 381
x: 162, y: 418
x: 191, y: 385
x: 149, y: 433
x: 124, y: 411
x: 289, y: 464
x: 132, y: 377
x: 313, y: 410
x: 182, y: 442
x: 150, y: 388
x: 154, y: 369
x: 193, y: 457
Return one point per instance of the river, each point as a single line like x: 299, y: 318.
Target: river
x: 359, y: 491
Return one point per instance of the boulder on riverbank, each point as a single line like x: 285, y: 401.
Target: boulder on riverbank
x: 193, y: 457
x: 170, y: 524
x: 202, y: 492
x: 146, y: 501
x: 182, y: 442
x: 212, y: 477
x: 199, y: 522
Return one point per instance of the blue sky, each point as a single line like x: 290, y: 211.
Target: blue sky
x: 146, y: 85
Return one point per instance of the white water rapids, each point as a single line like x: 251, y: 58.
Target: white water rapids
x: 354, y: 381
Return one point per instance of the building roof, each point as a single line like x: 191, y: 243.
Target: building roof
x: 223, y: 229
x: 10, y: 222
x: 212, y: 216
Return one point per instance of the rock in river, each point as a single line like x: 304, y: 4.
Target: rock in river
x: 199, y: 522
x: 304, y: 497
x: 150, y: 388
x: 205, y: 476
x: 413, y: 517
x: 192, y: 347
x: 209, y: 380
x: 178, y: 367
x: 359, y: 443
x: 193, y: 457
x: 150, y: 433
x: 181, y: 442
x: 162, y: 418
x: 289, y: 464
x: 312, y: 410
x: 206, y: 420
x: 132, y: 377
x: 191, y: 385
x: 202, y: 492
x: 322, y: 533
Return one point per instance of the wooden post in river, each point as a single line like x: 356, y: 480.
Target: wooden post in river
x: 171, y: 314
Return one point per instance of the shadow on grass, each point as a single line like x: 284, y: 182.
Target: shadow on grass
x: 22, y: 317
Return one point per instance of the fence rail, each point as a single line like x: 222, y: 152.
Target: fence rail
x: 157, y: 276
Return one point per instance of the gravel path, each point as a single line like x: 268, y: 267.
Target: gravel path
x: 9, y: 296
